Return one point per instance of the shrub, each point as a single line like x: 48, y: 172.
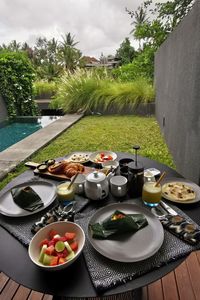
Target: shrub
x: 87, y: 91
x: 16, y: 76
x: 44, y: 89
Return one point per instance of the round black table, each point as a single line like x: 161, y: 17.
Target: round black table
x: 75, y: 280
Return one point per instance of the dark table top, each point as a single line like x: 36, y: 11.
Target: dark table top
x: 75, y: 281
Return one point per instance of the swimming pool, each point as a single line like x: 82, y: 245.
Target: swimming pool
x: 17, y: 130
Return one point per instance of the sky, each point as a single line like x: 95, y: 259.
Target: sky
x: 100, y: 26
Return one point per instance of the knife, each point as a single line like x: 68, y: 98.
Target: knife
x: 170, y: 210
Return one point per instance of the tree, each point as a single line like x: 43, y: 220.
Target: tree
x: 126, y: 52
x: 69, y: 55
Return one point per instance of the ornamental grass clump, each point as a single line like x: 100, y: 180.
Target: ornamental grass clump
x: 88, y: 90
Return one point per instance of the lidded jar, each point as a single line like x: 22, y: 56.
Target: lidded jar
x: 96, y: 186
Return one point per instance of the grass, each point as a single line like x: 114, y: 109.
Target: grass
x: 116, y: 133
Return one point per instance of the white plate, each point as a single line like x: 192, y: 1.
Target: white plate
x: 193, y: 185
x: 94, y: 155
x: 130, y: 247
x: 46, y: 191
x: 82, y: 157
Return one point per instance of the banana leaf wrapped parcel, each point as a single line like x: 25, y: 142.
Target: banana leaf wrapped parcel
x: 118, y: 223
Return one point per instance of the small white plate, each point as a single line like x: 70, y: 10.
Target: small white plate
x: 129, y: 247
x: 193, y: 185
x: 78, y: 157
x: 46, y: 191
x: 94, y: 155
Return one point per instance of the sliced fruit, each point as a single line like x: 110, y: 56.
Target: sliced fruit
x: 44, y: 242
x: 42, y: 252
x: 74, y: 246
x: 47, y: 259
x: 59, y: 246
x: 67, y: 245
x: 54, y: 261
x: 70, y: 236
x: 70, y: 255
x: 61, y: 260
x: 50, y: 250
x: 52, y: 233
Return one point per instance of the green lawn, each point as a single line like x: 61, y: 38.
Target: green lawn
x: 116, y: 133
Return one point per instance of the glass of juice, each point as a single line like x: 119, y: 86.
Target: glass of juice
x: 65, y: 194
x: 151, y: 194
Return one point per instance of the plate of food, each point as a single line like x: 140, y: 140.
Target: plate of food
x: 180, y: 190
x: 27, y: 198
x: 99, y: 157
x: 78, y: 157
x: 127, y: 246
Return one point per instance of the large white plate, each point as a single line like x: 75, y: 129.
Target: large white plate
x: 129, y: 247
x: 94, y: 155
x: 193, y: 185
x: 46, y: 191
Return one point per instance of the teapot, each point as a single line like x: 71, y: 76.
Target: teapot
x: 96, y: 186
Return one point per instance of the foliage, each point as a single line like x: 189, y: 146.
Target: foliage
x: 142, y: 66
x: 87, y: 91
x: 125, y: 52
x: 16, y: 76
x: 102, y: 132
x: 44, y: 89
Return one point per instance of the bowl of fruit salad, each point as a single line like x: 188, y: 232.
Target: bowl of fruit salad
x: 57, y: 245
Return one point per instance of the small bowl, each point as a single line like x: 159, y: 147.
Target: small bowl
x: 110, y: 164
x: 61, y: 227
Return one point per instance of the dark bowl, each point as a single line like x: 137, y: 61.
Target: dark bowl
x: 124, y: 162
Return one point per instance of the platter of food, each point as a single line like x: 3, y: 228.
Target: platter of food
x: 78, y: 157
x: 27, y: 198
x: 99, y: 157
x: 59, y: 170
x: 180, y: 190
x: 126, y: 246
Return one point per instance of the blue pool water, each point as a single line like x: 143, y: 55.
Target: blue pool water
x: 13, y: 132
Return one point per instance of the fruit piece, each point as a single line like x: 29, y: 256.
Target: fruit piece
x: 59, y: 246
x: 69, y: 249
x: 70, y: 255
x: 61, y: 260
x: 44, y: 242
x: 50, y: 250
x: 47, y: 259
x: 54, y: 261
x: 42, y: 252
x: 70, y: 236
x: 52, y: 233
x: 62, y: 238
x: 74, y: 246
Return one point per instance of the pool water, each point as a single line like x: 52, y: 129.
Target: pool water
x: 13, y: 132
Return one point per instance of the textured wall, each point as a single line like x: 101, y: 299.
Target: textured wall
x: 177, y: 82
x: 3, y: 110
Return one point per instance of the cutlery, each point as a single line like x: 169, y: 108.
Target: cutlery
x: 168, y: 208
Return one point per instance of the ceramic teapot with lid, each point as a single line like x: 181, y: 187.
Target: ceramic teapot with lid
x: 96, y: 186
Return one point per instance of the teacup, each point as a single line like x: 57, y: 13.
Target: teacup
x: 118, y: 186
x: 79, y: 184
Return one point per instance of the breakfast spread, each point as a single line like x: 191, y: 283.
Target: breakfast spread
x: 178, y: 191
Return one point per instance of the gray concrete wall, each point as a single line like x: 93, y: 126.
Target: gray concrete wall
x: 3, y: 110
x: 177, y: 82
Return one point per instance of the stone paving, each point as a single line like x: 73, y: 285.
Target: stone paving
x: 19, y: 152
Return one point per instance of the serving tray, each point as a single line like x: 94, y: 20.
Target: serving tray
x: 47, y: 174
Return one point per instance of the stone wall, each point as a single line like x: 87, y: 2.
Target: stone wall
x: 3, y: 110
x: 177, y: 82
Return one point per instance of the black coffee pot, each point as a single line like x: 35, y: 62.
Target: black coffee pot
x: 135, y: 176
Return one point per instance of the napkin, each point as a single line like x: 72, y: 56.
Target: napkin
x: 26, y: 198
x: 118, y: 223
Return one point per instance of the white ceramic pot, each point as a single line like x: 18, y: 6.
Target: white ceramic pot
x: 96, y: 186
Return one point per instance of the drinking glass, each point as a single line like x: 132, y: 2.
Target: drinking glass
x: 151, y: 193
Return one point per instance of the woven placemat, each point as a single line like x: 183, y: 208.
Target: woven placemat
x: 106, y: 274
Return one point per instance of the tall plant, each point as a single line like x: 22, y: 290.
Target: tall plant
x: 16, y: 77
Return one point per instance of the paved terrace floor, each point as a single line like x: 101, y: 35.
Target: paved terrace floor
x: 19, y: 152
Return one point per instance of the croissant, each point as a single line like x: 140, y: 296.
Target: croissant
x: 72, y: 168
x: 58, y: 167
x: 70, y: 172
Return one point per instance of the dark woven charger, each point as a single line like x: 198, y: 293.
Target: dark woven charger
x: 104, y: 273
